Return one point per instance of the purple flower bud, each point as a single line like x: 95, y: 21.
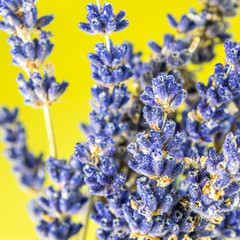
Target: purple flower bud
x: 44, y: 21
x: 232, y: 51
x: 103, y: 21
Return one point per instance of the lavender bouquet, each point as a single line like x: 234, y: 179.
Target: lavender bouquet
x: 161, y: 160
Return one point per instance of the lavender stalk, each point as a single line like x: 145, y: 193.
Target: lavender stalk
x: 30, y: 48
x: 52, y: 208
x: 50, y: 133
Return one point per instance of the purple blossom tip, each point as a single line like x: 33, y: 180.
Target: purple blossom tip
x: 103, y: 21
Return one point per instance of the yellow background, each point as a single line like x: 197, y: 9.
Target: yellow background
x: 147, y: 21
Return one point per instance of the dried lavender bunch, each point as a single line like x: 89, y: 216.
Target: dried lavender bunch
x: 150, y: 175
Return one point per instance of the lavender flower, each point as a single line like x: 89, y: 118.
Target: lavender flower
x: 58, y: 230
x: 100, y: 167
x: 152, y: 150
x: 30, y: 55
x: 223, y: 86
x: 8, y: 117
x: 110, y: 121
x: 66, y: 174
x: 152, y: 155
x: 174, y: 53
x: 40, y: 90
x: 102, y: 20
x: 113, y: 126
x: 165, y: 91
x: 63, y: 202
x: 30, y: 47
x: 185, y: 24
x: 105, y: 101
x: 29, y: 170
x: 212, y: 116
x: 21, y: 22
x: 208, y: 24
x: 103, y: 216
x: 109, y: 66
x: 157, y: 213
x: 55, y: 208
x: 21, y: 16
x: 232, y: 50
x: 214, y: 190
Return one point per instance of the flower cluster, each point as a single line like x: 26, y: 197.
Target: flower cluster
x: 154, y: 158
x: 21, y: 21
x: 215, y: 189
x: 29, y: 169
x: 200, y: 33
x: 30, y: 55
x: 102, y: 20
x: 158, y: 212
x: 56, y: 207
x: 171, y: 58
x: 110, y: 121
x: 30, y: 47
x: 165, y: 91
x: 152, y: 155
x: 21, y: 15
x: 109, y: 66
x: 100, y: 166
x: 40, y: 90
x: 209, y: 24
x: 213, y: 113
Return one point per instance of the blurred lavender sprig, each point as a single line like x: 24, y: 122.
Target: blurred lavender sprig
x: 30, y: 48
x: 212, y: 117
x: 198, y: 33
x: 29, y: 169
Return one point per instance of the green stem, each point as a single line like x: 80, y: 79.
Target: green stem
x: 50, y: 133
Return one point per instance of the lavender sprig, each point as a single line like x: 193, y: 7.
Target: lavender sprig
x: 30, y: 47
x: 200, y: 33
x: 110, y: 67
x: 102, y: 20
x: 214, y: 114
x: 28, y: 169
x: 154, y: 158
x: 57, y: 206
